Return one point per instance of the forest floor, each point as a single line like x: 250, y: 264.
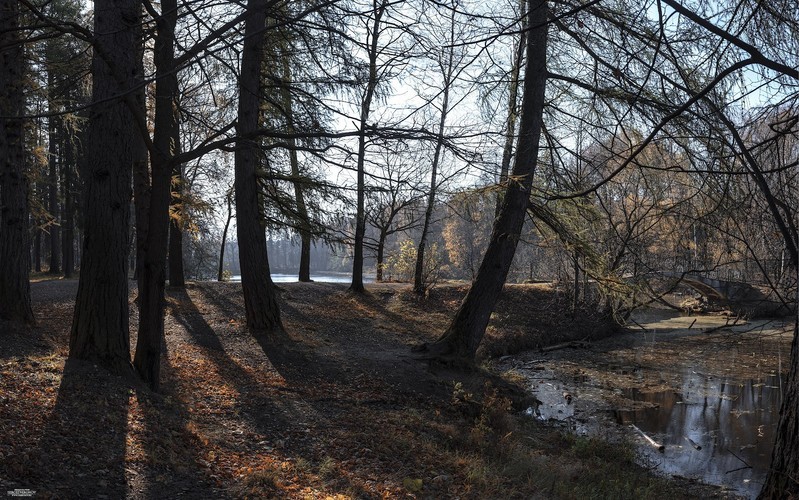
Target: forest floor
x: 337, y: 406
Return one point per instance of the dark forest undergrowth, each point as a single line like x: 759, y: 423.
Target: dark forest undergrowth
x: 334, y: 407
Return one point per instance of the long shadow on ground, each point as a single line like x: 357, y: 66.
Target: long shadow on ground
x: 85, y: 436
x: 269, y: 417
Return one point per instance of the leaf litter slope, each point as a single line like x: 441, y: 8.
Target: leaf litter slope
x: 334, y: 406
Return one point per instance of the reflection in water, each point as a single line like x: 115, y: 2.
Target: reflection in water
x: 555, y: 403
x: 733, y: 423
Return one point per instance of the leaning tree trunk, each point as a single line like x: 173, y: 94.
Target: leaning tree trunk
x: 15, y: 292
x: 460, y: 341
x: 260, y: 298
x: 513, y: 104
x: 100, y: 329
x: 166, y: 140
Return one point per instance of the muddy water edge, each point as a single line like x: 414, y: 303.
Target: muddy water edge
x: 706, y: 388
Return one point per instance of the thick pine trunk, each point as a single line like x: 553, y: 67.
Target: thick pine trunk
x: 100, y: 328
x: 15, y: 295
x: 260, y: 298
x: 141, y: 172
x: 460, y: 341
x: 166, y: 140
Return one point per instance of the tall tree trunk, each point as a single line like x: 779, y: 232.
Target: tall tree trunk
x: 419, y: 285
x: 381, y: 250
x: 177, y: 277
x: 141, y: 207
x: 52, y: 187
x: 221, y: 270
x: 141, y: 173
x: 260, y: 298
x: 100, y: 328
x: 37, y: 237
x: 460, y: 341
x: 15, y: 293
x: 299, y: 189
x: 576, y: 296
x: 513, y: 102
x: 166, y: 141
x: 447, y: 73
x: 68, y: 214
x: 366, y: 106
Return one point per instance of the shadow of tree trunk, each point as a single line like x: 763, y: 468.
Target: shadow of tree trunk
x: 85, y: 436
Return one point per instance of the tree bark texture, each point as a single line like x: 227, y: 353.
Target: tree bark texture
x: 15, y: 295
x: 461, y: 339
x: 260, y: 298
x: 100, y: 326
x: 166, y: 141
x: 141, y: 171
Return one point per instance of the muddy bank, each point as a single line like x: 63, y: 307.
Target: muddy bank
x: 707, y: 390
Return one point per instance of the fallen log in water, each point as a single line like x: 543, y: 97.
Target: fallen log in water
x: 651, y: 441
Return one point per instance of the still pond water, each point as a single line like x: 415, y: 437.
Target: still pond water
x: 718, y: 429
